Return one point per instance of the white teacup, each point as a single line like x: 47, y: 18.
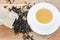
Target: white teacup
x: 43, y: 28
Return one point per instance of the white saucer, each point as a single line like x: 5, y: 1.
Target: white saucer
x: 44, y: 29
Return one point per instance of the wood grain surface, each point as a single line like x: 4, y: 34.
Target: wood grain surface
x: 8, y: 34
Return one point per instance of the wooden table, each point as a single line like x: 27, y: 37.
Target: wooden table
x: 8, y: 34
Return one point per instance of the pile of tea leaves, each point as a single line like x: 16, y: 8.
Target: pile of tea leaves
x: 9, y: 1
x: 20, y: 24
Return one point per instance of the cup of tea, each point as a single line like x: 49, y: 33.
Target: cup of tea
x: 43, y: 18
